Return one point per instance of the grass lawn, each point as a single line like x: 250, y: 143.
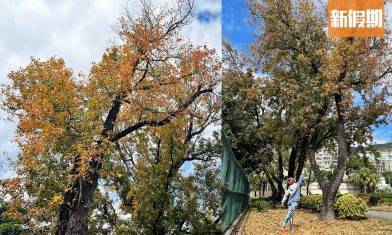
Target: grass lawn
x: 269, y: 222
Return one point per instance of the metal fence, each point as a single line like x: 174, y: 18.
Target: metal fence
x: 235, y: 192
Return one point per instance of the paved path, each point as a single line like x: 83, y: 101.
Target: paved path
x: 384, y: 215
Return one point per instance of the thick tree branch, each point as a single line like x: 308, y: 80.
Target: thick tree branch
x: 163, y: 121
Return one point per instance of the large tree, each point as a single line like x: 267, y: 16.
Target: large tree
x: 333, y: 90
x: 69, y: 126
x: 255, y: 131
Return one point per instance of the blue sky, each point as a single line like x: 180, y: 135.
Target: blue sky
x: 240, y: 33
x: 236, y: 27
x: 78, y: 31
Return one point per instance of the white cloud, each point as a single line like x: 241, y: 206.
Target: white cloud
x: 76, y: 30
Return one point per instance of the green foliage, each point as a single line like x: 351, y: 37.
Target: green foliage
x: 254, y: 181
x: 374, y: 199
x: 388, y: 177
x: 365, y: 178
x: 350, y: 206
x: 383, y: 191
x: 355, y: 163
x: 8, y: 226
x: 386, y: 200
x: 260, y: 204
x: 377, y: 198
x: 385, y: 146
x: 166, y: 200
x: 327, y: 174
x: 312, y: 202
x: 238, y: 114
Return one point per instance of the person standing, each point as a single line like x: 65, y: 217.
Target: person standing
x: 292, y: 194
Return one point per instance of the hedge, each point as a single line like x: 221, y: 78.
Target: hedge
x: 259, y: 203
x: 376, y: 198
x: 312, y: 202
x: 346, y: 205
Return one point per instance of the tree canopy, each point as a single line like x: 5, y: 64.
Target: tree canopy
x: 127, y: 127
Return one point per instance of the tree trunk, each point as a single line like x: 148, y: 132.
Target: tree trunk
x: 302, y: 157
x: 280, y: 192
x: 292, y: 158
x: 330, y: 189
x: 274, y: 198
x: 280, y: 165
x: 308, y: 184
x: 159, y: 227
x: 73, y: 212
x: 280, y: 179
x: 328, y: 192
x: 327, y: 208
x: 273, y: 188
x: 274, y: 178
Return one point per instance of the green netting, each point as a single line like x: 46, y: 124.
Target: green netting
x: 235, y: 192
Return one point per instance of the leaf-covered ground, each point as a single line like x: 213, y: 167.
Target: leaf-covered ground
x: 269, y: 222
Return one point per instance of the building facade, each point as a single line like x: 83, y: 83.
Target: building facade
x: 383, y: 163
x: 326, y: 159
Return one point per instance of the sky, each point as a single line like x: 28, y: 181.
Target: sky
x: 240, y: 33
x: 236, y: 27
x: 77, y: 31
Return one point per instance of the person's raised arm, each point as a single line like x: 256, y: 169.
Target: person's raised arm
x: 300, y: 182
x: 301, y: 179
x: 286, y: 195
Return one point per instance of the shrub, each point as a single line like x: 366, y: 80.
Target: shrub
x: 364, y: 197
x: 312, y: 202
x: 386, y: 200
x: 10, y: 228
x: 376, y: 198
x: 350, y: 206
x: 259, y: 203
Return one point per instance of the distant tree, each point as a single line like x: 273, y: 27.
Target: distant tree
x: 355, y: 163
x: 365, y: 178
x: 254, y: 182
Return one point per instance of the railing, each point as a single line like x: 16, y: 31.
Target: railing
x: 235, y: 192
